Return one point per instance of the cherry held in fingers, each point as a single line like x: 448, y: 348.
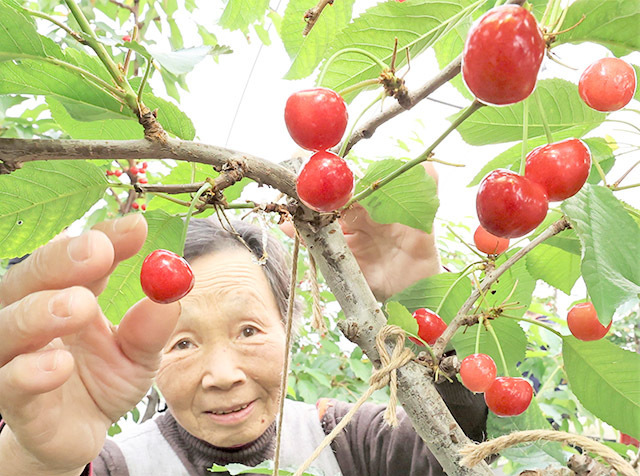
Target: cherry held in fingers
x: 316, y: 118
x: 430, y: 326
x: 608, y: 84
x: 561, y: 168
x: 478, y: 371
x: 502, y: 55
x: 510, y: 205
x: 488, y: 243
x: 508, y: 396
x: 325, y: 182
x: 166, y: 277
x: 583, y: 322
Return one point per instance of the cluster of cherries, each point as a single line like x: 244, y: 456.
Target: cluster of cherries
x: 316, y: 120
x: 500, y: 63
x: 135, y: 170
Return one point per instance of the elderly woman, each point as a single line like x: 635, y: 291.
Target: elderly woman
x: 216, y: 356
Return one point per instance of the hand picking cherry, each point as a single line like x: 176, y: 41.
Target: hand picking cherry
x: 316, y: 118
x: 430, y: 326
x: 561, y: 168
x: 488, y: 243
x: 478, y: 371
x: 502, y: 55
x: 608, y: 84
x: 166, y: 277
x: 583, y: 322
x: 508, y: 396
x: 510, y: 205
x: 325, y: 182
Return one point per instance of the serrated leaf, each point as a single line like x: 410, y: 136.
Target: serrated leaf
x: 566, y: 113
x: 606, y: 380
x: 610, y: 267
x: 607, y: 22
x: 18, y: 35
x: 415, y: 24
x: 124, y: 290
x: 534, y: 455
x: 306, y: 52
x: 398, y: 315
x: 239, y: 14
x: 556, y: 267
x: 430, y: 292
x: 566, y: 240
x: 41, y: 199
x: 410, y: 199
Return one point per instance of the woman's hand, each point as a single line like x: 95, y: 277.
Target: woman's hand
x: 65, y: 372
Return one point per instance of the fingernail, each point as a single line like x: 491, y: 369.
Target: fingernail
x: 128, y: 223
x: 48, y: 361
x: 60, y: 305
x: 79, y: 248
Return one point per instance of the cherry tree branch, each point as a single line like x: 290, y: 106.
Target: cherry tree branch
x: 311, y: 16
x: 461, y: 318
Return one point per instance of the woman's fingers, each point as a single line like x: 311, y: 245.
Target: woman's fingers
x: 145, y: 329
x: 32, y: 322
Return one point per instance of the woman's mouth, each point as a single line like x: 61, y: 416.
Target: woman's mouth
x: 233, y: 415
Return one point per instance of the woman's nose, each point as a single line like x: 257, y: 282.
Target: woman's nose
x: 222, y: 369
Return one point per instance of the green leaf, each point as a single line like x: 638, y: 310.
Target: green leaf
x: 449, y: 48
x: 180, y: 61
x: 124, y: 290
x: 239, y: 14
x: 610, y: 241
x: 607, y: 22
x: 606, y: 380
x: 534, y: 455
x: 375, y: 31
x: 41, y: 199
x: 266, y: 467
x: 636, y: 96
x: 361, y: 369
x: 566, y: 240
x: 306, y: 52
x: 554, y: 266
x: 567, y: 116
x: 398, y: 315
x: 18, y: 35
x: 410, y: 199
x: 430, y: 292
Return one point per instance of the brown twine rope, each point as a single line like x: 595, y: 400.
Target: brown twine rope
x: 379, y: 379
x: 317, y: 320
x: 474, y: 453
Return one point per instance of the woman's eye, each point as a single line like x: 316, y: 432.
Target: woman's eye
x: 183, y: 344
x: 249, y: 331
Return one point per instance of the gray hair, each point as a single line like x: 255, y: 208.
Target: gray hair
x: 207, y: 235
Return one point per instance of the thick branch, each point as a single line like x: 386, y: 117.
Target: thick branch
x: 491, y: 277
x: 16, y: 151
x: 417, y: 392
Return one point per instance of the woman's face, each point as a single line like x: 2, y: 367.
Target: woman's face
x: 221, y: 368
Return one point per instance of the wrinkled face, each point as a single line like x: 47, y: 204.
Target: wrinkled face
x: 221, y: 368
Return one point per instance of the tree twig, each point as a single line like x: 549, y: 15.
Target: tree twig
x: 311, y: 16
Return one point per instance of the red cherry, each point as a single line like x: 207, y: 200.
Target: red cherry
x: 510, y: 205
x: 561, y: 168
x: 135, y: 205
x: 166, y: 277
x: 134, y: 170
x: 508, y: 396
x: 628, y: 440
x: 145, y: 165
x: 110, y: 172
x: 488, y: 243
x: 430, y: 326
x: 118, y: 173
x: 478, y: 371
x: 583, y: 322
x: 143, y: 207
x: 143, y: 180
x: 126, y: 38
x: 325, y: 182
x: 608, y: 84
x: 316, y: 118
x: 502, y: 55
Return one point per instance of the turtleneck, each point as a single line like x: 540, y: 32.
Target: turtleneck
x: 197, y: 455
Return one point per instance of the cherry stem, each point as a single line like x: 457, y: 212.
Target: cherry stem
x: 475, y: 105
x: 206, y: 186
x: 533, y: 321
x: 624, y: 175
x: 369, y: 55
x: 497, y: 341
x: 473, y: 250
x: 625, y: 187
x: 625, y: 123
x: 603, y: 176
x: 358, y: 86
x: 525, y: 134
x: 144, y: 78
x: 543, y: 117
x: 464, y: 273
x: 74, y: 34
x: 343, y: 148
x: 477, y: 347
